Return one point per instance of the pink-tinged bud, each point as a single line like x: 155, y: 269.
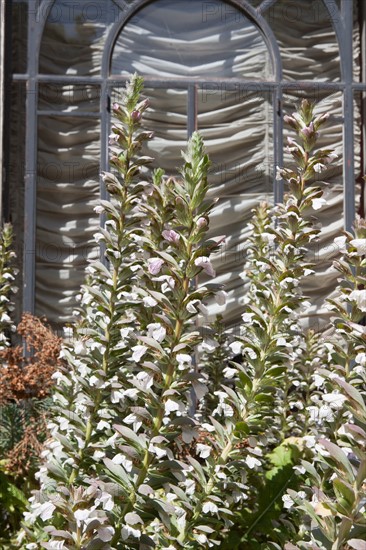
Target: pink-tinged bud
x: 179, y: 201
x: 155, y: 265
x: 171, y: 236
x: 291, y: 121
x: 201, y: 222
x: 116, y: 107
x: 308, y: 131
x: 136, y: 116
x: 143, y: 105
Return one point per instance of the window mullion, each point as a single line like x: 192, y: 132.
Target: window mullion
x: 30, y: 190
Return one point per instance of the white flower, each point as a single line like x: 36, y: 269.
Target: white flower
x: 204, y: 262
x: 171, y: 406
x: 318, y: 414
x: 98, y: 237
x: 247, y: 317
x: 184, y: 361
x: 209, y: 506
x: 268, y: 238
x: 80, y: 348
x: 335, y: 399
x: 81, y: 515
x: 360, y: 245
x: 99, y: 209
x: 156, y: 331
x: 359, y: 296
x: 209, y: 344
x: 103, y: 425
x: 203, y: 451
x: 158, y: 451
x: 318, y: 380
x: 46, y: 510
x: 361, y: 359
x: 128, y: 531
x: 287, y: 501
x: 317, y: 204
x: 252, y: 462
x: 155, y: 265
x: 133, y: 419
x: 191, y: 306
x: 229, y: 372
x: 236, y: 347
x: 138, y: 352
x: 125, y: 462
x: 318, y: 167
x: 222, y: 407
x: 149, y: 301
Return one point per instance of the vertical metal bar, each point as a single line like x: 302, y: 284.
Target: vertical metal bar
x: 277, y: 142
x: 30, y: 192
x: 192, y: 97
x: 348, y: 159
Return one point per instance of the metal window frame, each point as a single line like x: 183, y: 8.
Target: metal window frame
x: 342, y: 21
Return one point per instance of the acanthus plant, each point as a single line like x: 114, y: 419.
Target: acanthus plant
x: 334, y: 492
x: 123, y: 396
x: 273, y: 343
x: 141, y: 455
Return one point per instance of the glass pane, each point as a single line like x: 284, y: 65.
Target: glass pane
x: 67, y: 191
x: 192, y: 39
x: 359, y: 12
x: 74, y: 36
x: 237, y: 129
x: 306, y: 38
x: 69, y: 97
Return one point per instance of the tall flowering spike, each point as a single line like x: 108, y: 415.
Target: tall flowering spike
x: 7, y: 288
x: 334, y: 490
x: 124, y: 393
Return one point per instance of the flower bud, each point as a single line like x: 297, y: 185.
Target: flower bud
x: 136, y: 116
x: 201, y: 222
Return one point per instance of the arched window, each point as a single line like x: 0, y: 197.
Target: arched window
x: 228, y: 68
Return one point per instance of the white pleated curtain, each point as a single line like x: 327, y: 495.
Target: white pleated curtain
x: 169, y: 39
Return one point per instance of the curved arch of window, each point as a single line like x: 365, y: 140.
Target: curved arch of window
x: 45, y: 16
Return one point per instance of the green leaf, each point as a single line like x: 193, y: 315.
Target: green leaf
x: 339, y: 458
x: 138, y: 439
x: 118, y: 473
